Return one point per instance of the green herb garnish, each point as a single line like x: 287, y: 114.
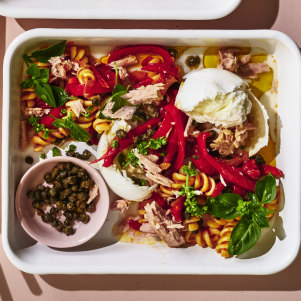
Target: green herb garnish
x: 191, y: 204
x: 34, y: 121
x: 144, y: 146
x: 253, y: 213
x: 76, y: 131
x: 44, y: 55
x: 43, y: 156
x: 71, y: 148
x: 115, y: 144
x: 56, y: 152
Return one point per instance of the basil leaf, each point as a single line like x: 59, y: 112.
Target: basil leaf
x: 34, y: 71
x: 44, y: 91
x: 117, y: 87
x: 244, y: 236
x: 225, y: 205
x: 44, y: 75
x: 260, y: 219
x: 60, y: 95
x: 27, y: 83
x: 27, y: 59
x: 76, y: 131
x: 44, y: 55
x: 119, y: 102
x: 266, y: 189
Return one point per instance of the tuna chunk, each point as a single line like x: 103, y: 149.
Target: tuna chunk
x: 159, y: 179
x: 60, y: 66
x: 148, y: 94
x: 252, y: 69
x: 163, y: 225
x: 148, y: 164
x: 125, y: 113
x: 76, y: 107
x: 126, y: 61
x: 121, y: 205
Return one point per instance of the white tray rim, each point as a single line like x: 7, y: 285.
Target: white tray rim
x: 137, y: 33
x: 12, y: 10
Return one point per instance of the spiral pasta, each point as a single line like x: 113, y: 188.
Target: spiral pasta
x: 223, y: 242
x: 28, y: 97
x: 39, y: 141
x: 84, y: 74
x: 79, y: 54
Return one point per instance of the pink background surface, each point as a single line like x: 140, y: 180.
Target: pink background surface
x: 283, y: 15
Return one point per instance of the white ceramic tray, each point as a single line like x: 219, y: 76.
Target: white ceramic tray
x: 119, y: 9
x: 103, y: 254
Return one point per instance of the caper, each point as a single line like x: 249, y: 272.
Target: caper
x: 96, y: 102
x: 72, y: 198
x: 74, y: 188
x: 91, y: 207
x: 74, y: 170
x: 60, y: 226
x: 87, y: 154
x: 58, y: 185
x: 47, y: 218
x: 70, y: 206
x: 173, y: 52
x: 68, y: 230
x: 55, y: 223
x: 30, y: 194
x: 121, y: 134
x: 68, y: 222
x: 137, y: 139
x: 86, y: 184
x: 53, y: 192
x: 48, y: 178
x: 53, y: 211
x: 82, y: 196
x: 68, y: 166
x: 70, y: 153
x: 84, y: 218
x: 75, y: 216
x: 29, y: 160
x: 193, y: 61
x: 82, y: 174
x: 61, y: 166
x: 37, y: 205
x: 55, y: 172
x: 44, y: 195
x: 151, y: 110
x: 47, y: 201
x: 40, y: 212
x: 63, y: 174
x: 37, y: 196
x: 68, y: 214
x: 40, y: 188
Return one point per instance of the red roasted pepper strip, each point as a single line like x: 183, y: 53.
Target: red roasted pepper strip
x: 164, y: 68
x: 124, y: 143
x: 159, y: 200
x: 171, y: 147
x: 204, y: 166
x: 176, y: 115
x: 120, y: 53
x: 164, y: 128
x: 239, y: 190
x: 177, y: 208
x: 251, y: 169
x: 229, y: 173
x: 218, y: 189
x: 266, y: 169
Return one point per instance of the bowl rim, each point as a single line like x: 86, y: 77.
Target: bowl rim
x: 104, y: 196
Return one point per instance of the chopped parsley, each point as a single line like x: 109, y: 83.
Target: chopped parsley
x: 56, y: 152
x: 43, y: 156
x: 71, y: 148
x: 144, y: 146
x: 192, y: 206
x: 115, y: 144
x: 34, y: 121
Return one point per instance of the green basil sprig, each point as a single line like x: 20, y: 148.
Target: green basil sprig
x: 76, y: 131
x: 52, y: 95
x: 45, y: 54
x: 253, y: 213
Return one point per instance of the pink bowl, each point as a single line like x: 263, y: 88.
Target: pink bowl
x: 45, y: 233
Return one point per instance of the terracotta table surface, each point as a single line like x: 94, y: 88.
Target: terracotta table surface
x: 283, y: 15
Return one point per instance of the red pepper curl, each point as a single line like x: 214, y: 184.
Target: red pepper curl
x: 177, y: 208
x: 266, y: 169
x: 218, y: 189
x: 120, y: 53
x: 126, y: 142
x: 230, y: 174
